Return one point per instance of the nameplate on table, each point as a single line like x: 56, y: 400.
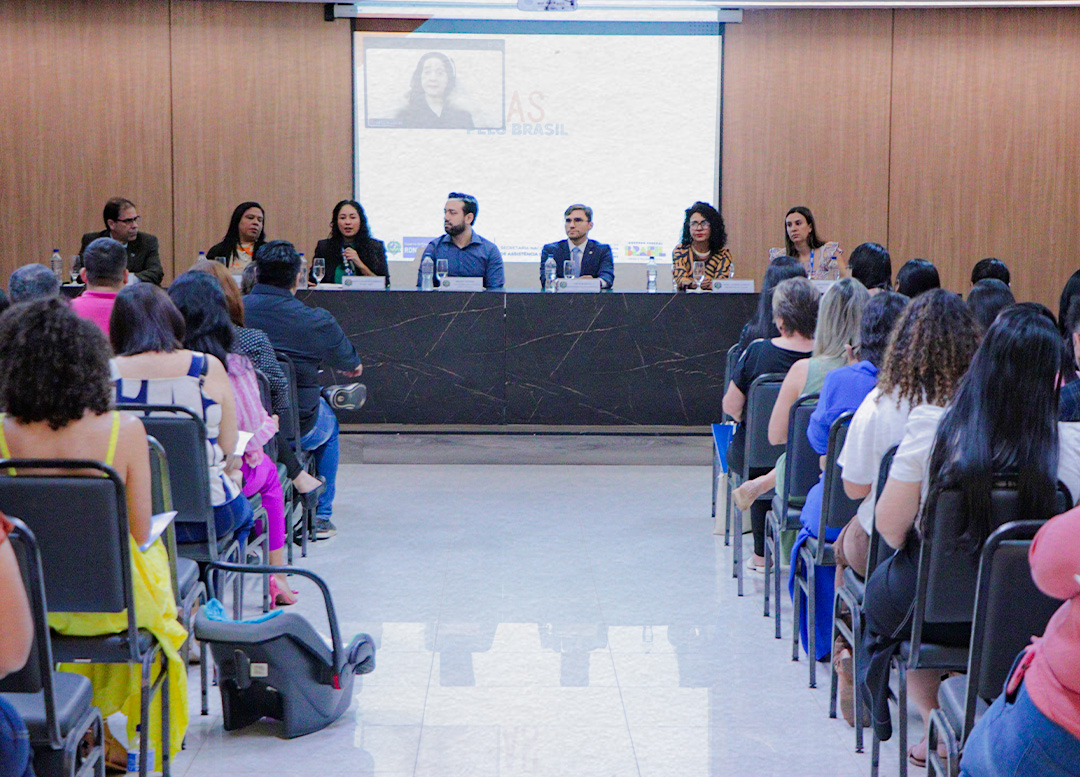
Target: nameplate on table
x: 732, y: 286
x: 823, y: 285
x: 461, y: 284
x: 363, y: 283
x: 578, y: 285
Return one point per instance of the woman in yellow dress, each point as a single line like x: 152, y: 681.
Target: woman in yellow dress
x: 55, y: 385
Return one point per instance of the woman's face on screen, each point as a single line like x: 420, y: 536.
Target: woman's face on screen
x: 433, y: 78
x: 348, y: 221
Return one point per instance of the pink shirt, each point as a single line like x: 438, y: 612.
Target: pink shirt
x: 1053, y: 676
x: 96, y: 306
x: 251, y: 416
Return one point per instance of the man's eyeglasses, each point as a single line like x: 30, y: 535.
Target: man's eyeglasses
x: 130, y: 221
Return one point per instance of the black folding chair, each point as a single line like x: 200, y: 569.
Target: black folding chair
x: 291, y: 428
x: 81, y: 523
x: 850, y: 595
x: 758, y: 455
x: 56, y: 706
x: 1009, y: 610
x: 801, y: 473
x: 836, y: 510
x: 183, y: 436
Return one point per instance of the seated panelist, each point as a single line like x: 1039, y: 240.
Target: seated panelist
x: 245, y: 234
x: 468, y: 255
x: 704, y: 239
x: 350, y: 249
x: 591, y: 259
x: 122, y: 225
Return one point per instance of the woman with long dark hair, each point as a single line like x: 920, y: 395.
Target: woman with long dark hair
x: 350, y: 249
x: 1003, y: 419
x: 762, y: 325
x: 704, y: 239
x: 801, y: 240
x: 245, y: 234
x: 430, y: 101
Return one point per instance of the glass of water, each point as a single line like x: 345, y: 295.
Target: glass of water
x: 699, y: 273
x: 75, y: 269
x: 442, y: 269
x: 568, y: 268
x: 318, y: 268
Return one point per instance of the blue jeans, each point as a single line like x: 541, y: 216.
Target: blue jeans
x: 235, y: 515
x: 16, y: 757
x: 1015, y: 738
x: 322, y: 441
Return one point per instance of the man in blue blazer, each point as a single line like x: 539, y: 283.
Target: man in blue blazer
x: 591, y: 259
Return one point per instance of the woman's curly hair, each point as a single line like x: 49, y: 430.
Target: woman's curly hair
x: 54, y: 365
x: 929, y: 350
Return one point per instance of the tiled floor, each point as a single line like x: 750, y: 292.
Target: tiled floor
x: 571, y: 621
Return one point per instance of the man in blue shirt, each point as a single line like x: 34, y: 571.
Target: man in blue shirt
x: 468, y: 255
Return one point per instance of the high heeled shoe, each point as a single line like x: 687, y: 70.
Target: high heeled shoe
x: 279, y: 597
x: 310, y: 500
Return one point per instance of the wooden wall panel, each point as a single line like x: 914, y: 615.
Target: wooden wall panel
x: 262, y: 110
x: 806, y: 122
x: 985, y: 158
x: 85, y: 91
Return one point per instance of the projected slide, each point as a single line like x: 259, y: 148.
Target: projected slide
x: 532, y: 123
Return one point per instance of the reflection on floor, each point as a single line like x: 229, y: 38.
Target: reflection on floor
x: 571, y: 621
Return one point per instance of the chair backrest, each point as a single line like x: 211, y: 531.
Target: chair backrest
x: 874, y: 554
x: 81, y: 525
x: 760, y: 398
x: 837, y: 508
x: 733, y: 354
x: 801, y: 471
x: 264, y: 394
x: 182, y: 435
x: 36, y: 675
x: 290, y: 426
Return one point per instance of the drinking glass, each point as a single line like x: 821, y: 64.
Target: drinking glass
x: 318, y: 268
x: 568, y: 268
x: 699, y: 273
x: 74, y: 269
x: 442, y: 269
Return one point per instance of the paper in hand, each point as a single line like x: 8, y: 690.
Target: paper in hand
x: 242, y: 439
x: 158, y: 524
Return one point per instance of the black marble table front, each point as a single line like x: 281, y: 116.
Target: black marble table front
x: 494, y: 358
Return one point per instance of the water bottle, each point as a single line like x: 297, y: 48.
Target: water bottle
x: 650, y: 275
x: 303, y: 281
x: 550, y: 272
x: 427, y: 274
x: 56, y: 264
x: 133, y: 754
x: 201, y: 256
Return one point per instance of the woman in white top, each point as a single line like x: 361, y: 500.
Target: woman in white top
x: 1003, y: 419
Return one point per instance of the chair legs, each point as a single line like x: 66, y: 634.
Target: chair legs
x: 768, y: 564
x: 796, y: 607
x: 853, y: 635
x: 777, y: 551
x: 902, y: 722
x: 811, y: 622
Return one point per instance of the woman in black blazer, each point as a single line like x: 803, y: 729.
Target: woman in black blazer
x: 350, y: 249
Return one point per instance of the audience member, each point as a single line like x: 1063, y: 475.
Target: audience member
x: 247, y: 280
x: 837, y: 329
x: 122, y: 225
x: 871, y: 266
x: 704, y: 239
x: 917, y: 276
x: 990, y: 268
x: 256, y: 346
x: 207, y: 329
x: 987, y: 298
x: 55, y: 385
x: 5, y: 303
x: 246, y: 232
x: 983, y: 431
x: 467, y: 254
x: 350, y: 249
x: 590, y: 259
x: 147, y: 334
x: 1069, y: 402
x: 310, y: 337
x: 104, y: 272
x: 761, y: 325
x: 795, y: 311
x: 801, y: 241
x: 32, y: 281
x: 1033, y: 727
x: 1068, y: 293
x: 16, y: 639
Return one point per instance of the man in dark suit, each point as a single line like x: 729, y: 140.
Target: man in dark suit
x: 122, y: 225
x: 591, y: 259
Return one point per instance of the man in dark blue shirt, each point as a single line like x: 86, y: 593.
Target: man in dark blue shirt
x: 468, y: 255
x: 310, y: 337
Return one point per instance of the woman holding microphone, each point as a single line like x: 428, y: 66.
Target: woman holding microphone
x: 350, y: 249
